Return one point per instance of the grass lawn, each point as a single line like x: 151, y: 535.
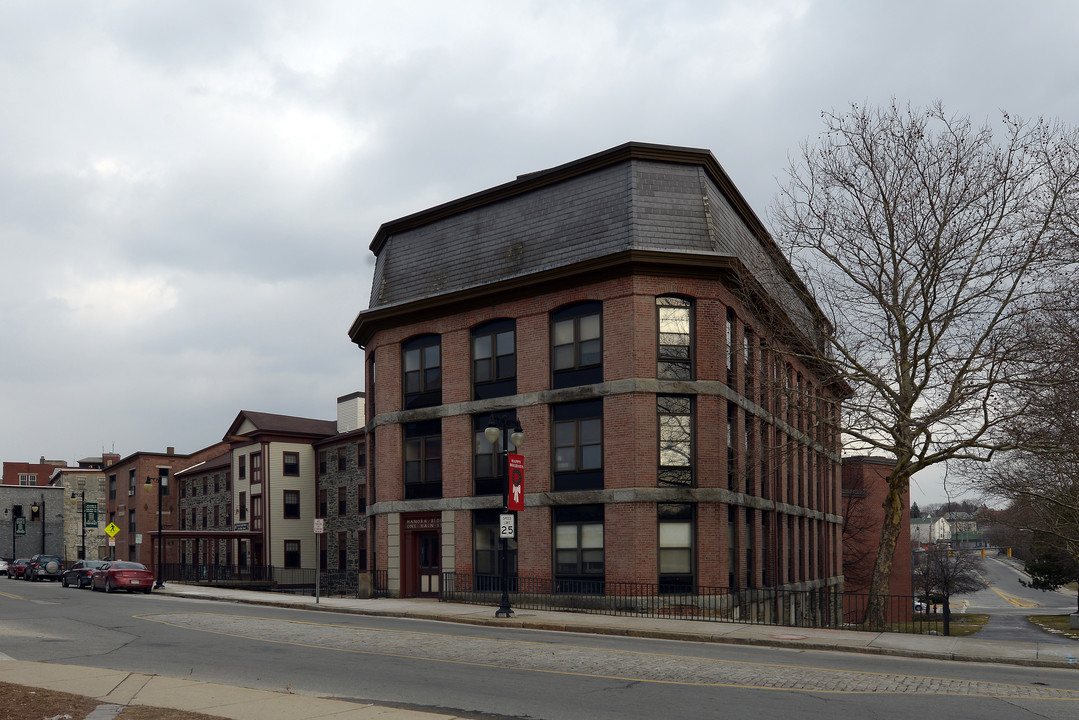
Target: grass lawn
x: 962, y: 624
x: 1059, y: 625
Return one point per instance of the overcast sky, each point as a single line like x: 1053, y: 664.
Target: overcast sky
x: 188, y: 189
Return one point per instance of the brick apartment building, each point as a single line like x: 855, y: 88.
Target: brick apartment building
x: 865, y: 487
x: 632, y: 313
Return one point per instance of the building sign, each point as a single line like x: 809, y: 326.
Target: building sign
x: 420, y: 524
x: 89, y: 514
x: 241, y: 526
x: 138, y: 538
x: 515, y: 500
x: 320, y: 526
x: 20, y: 526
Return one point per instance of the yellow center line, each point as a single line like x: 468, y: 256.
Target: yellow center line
x: 13, y: 597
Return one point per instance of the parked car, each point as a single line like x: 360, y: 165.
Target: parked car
x: 122, y: 575
x: 81, y: 573
x: 16, y: 568
x: 50, y: 567
x: 3, y: 566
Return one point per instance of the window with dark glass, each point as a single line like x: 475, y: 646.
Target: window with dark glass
x: 361, y: 496
x: 322, y: 502
x: 342, y: 459
x: 422, y: 360
x: 676, y: 562
x: 291, y: 503
x: 322, y: 462
x: 577, y: 445
x: 242, y: 469
x: 322, y: 540
x: 292, y: 553
x: 361, y: 549
x: 291, y: 463
x: 112, y: 487
x: 675, y: 417
x: 243, y: 506
x: 674, y: 321
x: 342, y: 550
x: 486, y: 546
x: 577, y: 345
x: 423, y: 459
x: 730, y: 346
x: 494, y: 359
x: 578, y: 544
x: 342, y: 503
x: 487, y: 459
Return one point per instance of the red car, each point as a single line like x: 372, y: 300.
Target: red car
x: 122, y: 575
x: 16, y: 568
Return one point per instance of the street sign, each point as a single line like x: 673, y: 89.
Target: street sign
x: 320, y: 526
x: 515, y: 500
x: 111, y: 529
x: 20, y: 526
x: 89, y: 514
x: 507, y: 525
x: 138, y: 538
x: 112, y: 542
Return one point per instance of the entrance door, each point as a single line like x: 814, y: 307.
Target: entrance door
x: 430, y: 563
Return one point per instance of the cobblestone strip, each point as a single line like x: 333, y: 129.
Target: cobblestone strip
x: 596, y: 662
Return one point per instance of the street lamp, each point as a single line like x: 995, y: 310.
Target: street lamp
x: 82, y: 493
x: 33, y: 509
x: 161, y: 480
x: 498, y: 427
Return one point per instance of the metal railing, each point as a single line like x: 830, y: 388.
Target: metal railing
x: 820, y: 608
x: 253, y: 577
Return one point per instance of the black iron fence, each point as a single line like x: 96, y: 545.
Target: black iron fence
x: 251, y: 577
x: 820, y: 608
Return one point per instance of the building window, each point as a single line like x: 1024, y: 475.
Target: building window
x: 292, y: 553
x: 361, y: 549
x: 323, y: 541
x: 292, y: 504
x: 730, y: 347
x: 361, y: 458
x: 228, y: 515
x: 131, y: 482
x: 675, y: 414
x: 256, y: 512
x: 243, y: 506
x: 131, y: 523
x: 494, y: 359
x: 27, y: 479
x: 361, y: 500
x: 322, y: 455
x: 577, y: 445
x: 423, y: 459
x: 322, y: 502
x: 486, y: 459
x: 342, y: 550
x: 290, y: 463
x: 422, y: 359
x: 163, y: 480
x: 256, y: 468
x: 486, y: 545
x: 205, y: 486
x: 675, y: 547
x: 205, y: 524
x: 342, y: 459
x: 217, y: 516
x: 577, y: 345
x: 112, y: 487
x: 242, y: 469
x: 578, y: 543
x: 674, y: 321
x: 342, y: 503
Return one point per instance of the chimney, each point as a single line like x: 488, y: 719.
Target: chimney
x: 170, y: 450
x: 42, y: 460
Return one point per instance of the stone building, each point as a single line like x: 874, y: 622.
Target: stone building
x: 83, y: 486
x: 632, y: 314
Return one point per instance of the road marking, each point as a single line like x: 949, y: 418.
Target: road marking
x: 1016, y: 601
x: 590, y: 662
x: 13, y: 597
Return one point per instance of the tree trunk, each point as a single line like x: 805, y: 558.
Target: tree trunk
x: 947, y: 615
x: 877, y: 610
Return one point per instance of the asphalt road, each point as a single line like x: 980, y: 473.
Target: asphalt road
x: 503, y: 672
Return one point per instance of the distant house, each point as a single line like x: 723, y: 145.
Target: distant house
x: 929, y: 530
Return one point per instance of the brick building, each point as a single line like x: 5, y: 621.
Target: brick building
x: 132, y: 484
x: 865, y: 487
x: 632, y: 313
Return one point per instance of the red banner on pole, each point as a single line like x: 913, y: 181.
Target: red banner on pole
x: 515, y: 498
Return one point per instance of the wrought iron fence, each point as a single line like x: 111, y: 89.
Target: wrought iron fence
x: 253, y: 577
x: 820, y: 608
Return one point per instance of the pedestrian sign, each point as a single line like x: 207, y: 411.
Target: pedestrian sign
x: 111, y: 529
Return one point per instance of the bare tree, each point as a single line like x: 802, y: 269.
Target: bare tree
x: 944, y: 573
x: 926, y: 241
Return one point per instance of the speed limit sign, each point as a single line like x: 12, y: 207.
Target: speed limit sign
x: 507, y: 525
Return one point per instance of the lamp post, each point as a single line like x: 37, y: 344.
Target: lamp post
x: 12, y: 514
x: 500, y: 429
x: 161, y: 480
x: 34, y: 509
x: 82, y: 511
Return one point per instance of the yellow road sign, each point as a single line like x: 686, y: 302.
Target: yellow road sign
x: 111, y: 529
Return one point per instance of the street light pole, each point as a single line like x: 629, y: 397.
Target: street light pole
x: 82, y: 555
x: 496, y: 432
x: 42, y: 524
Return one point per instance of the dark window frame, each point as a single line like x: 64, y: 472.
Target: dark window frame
x: 422, y: 474
x: 584, y: 575
x: 671, y: 580
x: 290, y: 504
x: 487, y: 459
x: 290, y: 463
x: 421, y: 386
x: 670, y: 448
x: 582, y: 418
x: 292, y: 553
x: 674, y: 361
x: 579, y: 371
x: 494, y: 375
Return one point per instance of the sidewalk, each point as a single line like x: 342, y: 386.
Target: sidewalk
x: 125, y: 688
